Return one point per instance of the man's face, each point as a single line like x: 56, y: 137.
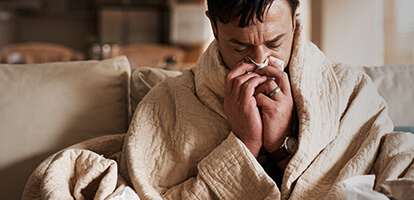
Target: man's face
x: 273, y: 37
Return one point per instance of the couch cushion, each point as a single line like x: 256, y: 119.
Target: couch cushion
x: 46, y: 107
x: 404, y: 129
x: 143, y: 79
x: 395, y: 83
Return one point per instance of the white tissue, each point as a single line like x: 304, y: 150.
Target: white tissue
x: 281, y: 63
x: 361, y: 188
x: 125, y: 193
x: 260, y: 65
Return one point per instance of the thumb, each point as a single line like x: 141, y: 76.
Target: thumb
x: 263, y: 100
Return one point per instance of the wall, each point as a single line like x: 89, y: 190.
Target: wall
x: 305, y: 14
x: 350, y: 31
x: 129, y: 26
x: 69, y: 32
x: 66, y: 22
x: 399, y: 32
x: 6, y: 27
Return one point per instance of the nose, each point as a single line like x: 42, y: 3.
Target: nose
x: 259, y: 54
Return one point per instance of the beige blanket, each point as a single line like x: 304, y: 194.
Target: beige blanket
x: 180, y: 146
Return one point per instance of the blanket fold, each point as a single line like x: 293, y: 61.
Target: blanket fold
x: 395, y: 167
x: 65, y: 169
x: 81, y: 174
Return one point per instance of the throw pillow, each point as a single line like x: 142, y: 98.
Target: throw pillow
x: 47, y: 107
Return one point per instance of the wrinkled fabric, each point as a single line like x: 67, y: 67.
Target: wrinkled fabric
x: 87, y: 170
x: 180, y: 145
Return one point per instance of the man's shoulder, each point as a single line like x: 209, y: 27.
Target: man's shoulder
x: 183, y: 79
x: 345, y: 72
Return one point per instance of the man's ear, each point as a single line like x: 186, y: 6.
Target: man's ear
x: 213, y: 26
x: 294, y: 15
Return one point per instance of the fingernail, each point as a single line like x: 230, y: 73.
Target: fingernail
x: 270, y: 78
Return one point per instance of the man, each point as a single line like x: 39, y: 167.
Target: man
x: 263, y: 115
x: 203, y: 135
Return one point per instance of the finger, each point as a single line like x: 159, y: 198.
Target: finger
x: 249, y: 87
x: 240, y: 81
x: 241, y: 69
x: 263, y: 100
x: 281, y: 77
x: 266, y: 87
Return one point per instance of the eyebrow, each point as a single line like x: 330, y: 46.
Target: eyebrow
x: 277, y: 38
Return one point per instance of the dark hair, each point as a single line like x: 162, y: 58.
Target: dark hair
x: 248, y: 10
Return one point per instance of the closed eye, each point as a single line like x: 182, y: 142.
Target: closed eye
x: 272, y: 46
x: 240, y: 50
x: 239, y: 46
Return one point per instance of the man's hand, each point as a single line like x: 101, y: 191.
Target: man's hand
x: 276, y: 110
x: 241, y: 108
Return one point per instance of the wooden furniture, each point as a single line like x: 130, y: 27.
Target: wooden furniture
x: 152, y: 55
x: 36, y: 52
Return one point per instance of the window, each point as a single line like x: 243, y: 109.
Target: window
x: 399, y: 32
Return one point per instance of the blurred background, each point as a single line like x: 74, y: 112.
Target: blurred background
x: 369, y: 32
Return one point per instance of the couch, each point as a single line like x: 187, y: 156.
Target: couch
x: 47, y: 107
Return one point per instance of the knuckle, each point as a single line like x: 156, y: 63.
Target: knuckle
x: 228, y: 76
x: 245, y: 86
x: 272, y: 84
x: 239, y: 81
